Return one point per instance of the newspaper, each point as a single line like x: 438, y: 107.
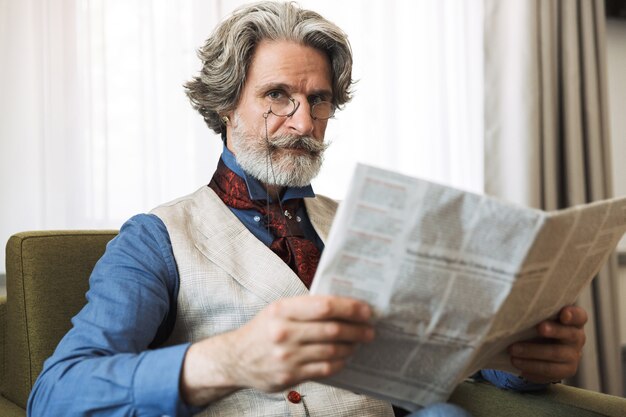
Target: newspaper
x: 453, y: 278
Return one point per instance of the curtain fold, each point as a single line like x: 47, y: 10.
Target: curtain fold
x: 547, y: 143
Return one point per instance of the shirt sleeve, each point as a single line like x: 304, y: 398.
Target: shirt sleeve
x: 506, y: 380
x: 103, y: 366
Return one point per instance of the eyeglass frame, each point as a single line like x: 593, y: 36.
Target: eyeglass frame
x: 296, y: 106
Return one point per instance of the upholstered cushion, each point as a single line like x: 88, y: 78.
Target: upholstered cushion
x: 47, y: 277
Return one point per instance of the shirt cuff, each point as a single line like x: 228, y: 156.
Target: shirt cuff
x: 157, y: 380
x: 505, y: 380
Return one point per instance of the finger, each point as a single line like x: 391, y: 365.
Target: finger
x: 549, y: 352
x: 317, y: 370
x: 538, y: 379
x: 315, y: 308
x: 323, y: 352
x: 336, y: 331
x: 551, y: 371
x: 306, y: 372
x: 573, y: 316
x: 286, y: 358
x: 320, y: 332
x: 563, y: 333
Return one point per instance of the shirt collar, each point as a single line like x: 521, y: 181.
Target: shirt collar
x: 255, y: 188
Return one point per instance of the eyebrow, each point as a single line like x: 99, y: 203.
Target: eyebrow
x: 264, y: 88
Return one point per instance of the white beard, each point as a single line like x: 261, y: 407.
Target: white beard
x: 273, y: 163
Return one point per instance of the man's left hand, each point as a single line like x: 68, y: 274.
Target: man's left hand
x: 556, y: 354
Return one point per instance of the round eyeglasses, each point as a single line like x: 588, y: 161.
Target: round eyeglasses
x: 287, y: 106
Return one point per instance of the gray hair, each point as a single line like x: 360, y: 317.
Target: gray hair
x: 227, y: 53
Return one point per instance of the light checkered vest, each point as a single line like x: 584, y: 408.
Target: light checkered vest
x: 226, y: 277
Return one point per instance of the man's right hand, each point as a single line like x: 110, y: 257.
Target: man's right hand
x: 291, y: 341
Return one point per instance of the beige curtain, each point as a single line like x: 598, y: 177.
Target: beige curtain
x: 547, y: 138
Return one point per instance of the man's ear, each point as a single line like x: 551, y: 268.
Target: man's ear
x: 228, y: 123
x: 226, y: 119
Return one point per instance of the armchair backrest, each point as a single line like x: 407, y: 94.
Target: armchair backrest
x: 47, y: 278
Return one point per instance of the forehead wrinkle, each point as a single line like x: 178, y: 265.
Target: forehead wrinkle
x: 294, y: 68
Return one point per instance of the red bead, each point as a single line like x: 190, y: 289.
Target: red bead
x: 294, y: 397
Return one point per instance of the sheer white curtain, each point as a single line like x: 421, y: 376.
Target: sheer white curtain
x: 95, y: 127
x: 418, y: 101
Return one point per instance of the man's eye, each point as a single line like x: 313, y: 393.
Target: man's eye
x: 313, y: 100
x: 275, y: 95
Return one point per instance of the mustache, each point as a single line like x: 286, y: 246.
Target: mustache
x: 306, y: 143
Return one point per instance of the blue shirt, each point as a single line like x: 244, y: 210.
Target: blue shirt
x: 104, y: 365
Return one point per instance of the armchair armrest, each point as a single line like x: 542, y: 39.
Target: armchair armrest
x: 8, y: 409
x: 482, y: 399
x: 3, y: 338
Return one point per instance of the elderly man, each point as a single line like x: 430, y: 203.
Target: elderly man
x: 202, y: 305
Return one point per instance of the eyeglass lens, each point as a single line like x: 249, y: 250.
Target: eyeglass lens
x: 288, y: 106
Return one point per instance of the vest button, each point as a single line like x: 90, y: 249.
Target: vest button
x: 294, y: 397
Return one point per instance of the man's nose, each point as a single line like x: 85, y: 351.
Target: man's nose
x: 301, y: 121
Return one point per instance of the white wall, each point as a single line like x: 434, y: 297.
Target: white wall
x: 616, y: 57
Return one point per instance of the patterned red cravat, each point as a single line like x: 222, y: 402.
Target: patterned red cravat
x: 289, y: 243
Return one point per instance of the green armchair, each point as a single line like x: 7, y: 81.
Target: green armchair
x: 47, y: 277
